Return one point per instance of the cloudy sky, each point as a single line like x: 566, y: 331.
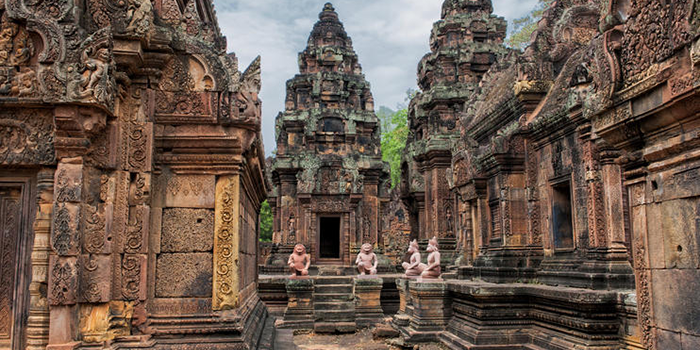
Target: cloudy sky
x: 389, y: 36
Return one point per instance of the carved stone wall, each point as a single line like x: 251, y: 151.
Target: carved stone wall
x: 563, y: 163
x: 107, y: 109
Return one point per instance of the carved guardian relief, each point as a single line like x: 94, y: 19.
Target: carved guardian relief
x: 92, y: 78
x: 244, y: 104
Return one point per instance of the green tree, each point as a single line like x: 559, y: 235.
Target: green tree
x: 265, y: 222
x: 523, y: 27
x: 393, y: 143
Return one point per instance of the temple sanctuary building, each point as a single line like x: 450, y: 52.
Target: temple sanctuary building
x: 329, y: 181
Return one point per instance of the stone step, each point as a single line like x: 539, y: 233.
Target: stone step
x: 333, y: 288
x: 335, y: 327
x: 335, y: 315
x: 333, y: 280
x: 333, y: 297
x: 323, y: 306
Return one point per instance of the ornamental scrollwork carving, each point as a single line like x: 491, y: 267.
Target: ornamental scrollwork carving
x: 94, y: 230
x: 27, y: 138
x: 131, y: 277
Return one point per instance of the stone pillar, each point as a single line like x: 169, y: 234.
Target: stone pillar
x: 63, y: 262
x: 368, y: 308
x: 38, y: 320
x: 300, y: 304
x: 431, y: 311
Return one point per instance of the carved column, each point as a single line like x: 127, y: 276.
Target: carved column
x: 642, y: 264
x: 38, y: 320
x: 226, y: 236
x: 612, y: 182
x: 65, y: 242
x: 597, y: 235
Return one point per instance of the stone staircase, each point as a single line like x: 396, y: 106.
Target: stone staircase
x: 334, y: 305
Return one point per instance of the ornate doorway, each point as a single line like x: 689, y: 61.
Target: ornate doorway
x: 329, y: 238
x: 14, y: 267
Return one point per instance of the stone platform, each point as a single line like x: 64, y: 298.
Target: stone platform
x: 480, y: 315
x: 328, y: 304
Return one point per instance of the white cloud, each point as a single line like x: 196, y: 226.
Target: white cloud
x: 390, y: 37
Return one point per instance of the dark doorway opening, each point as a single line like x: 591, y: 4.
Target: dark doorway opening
x: 329, y: 245
x: 562, y: 227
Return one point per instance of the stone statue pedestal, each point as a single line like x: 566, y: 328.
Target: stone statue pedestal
x: 368, y: 308
x: 300, y: 304
x: 403, y: 316
x: 425, y: 309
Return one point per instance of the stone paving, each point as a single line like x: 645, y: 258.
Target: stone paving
x: 361, y: 340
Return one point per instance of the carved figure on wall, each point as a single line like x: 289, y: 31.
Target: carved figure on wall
x: 291, y: 226
x: 448, y: 218
x: 299, y: 261
x: 413, y: 267
x: 248, y: 105
x: 93, y: 79
x: 432, y: 269
x: 15, y: 46
x: 141, y: 16
x: 366, y: 260
x: 366, y: 228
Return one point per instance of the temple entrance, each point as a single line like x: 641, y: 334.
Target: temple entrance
x: 13, y: 288
x: 329, y: 237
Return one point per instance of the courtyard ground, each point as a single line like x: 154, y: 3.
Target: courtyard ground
x: 361, y: 340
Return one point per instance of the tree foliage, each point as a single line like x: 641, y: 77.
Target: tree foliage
x: 265, y: 222
x: 524, y: 26
x: 393, y: 143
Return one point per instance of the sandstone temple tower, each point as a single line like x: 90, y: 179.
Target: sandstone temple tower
x: 328, y: 177
x: 463, y: 44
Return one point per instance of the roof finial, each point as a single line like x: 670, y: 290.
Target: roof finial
x: 328, y: 7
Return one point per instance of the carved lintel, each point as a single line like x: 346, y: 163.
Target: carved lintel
x: 226, y: 226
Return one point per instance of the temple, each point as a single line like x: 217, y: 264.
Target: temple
x: 464, y: 44
x: 329, y: 182
x: 549, y: 197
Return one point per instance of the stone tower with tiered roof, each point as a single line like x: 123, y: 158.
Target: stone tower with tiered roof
x: 464, y: 44
x: 329, y: 179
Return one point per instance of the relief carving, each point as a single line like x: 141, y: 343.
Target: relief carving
x: 66, y: 227
x: 68, y: 184
x: 132, y: 267
x: 94, y: 230
x: 63, y: 281
x: 226, y: 228
x: 27, y: 138
x: 95, y: 275
x: 93, y: 78
x: 137, y: 230
x: 140, y: 189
